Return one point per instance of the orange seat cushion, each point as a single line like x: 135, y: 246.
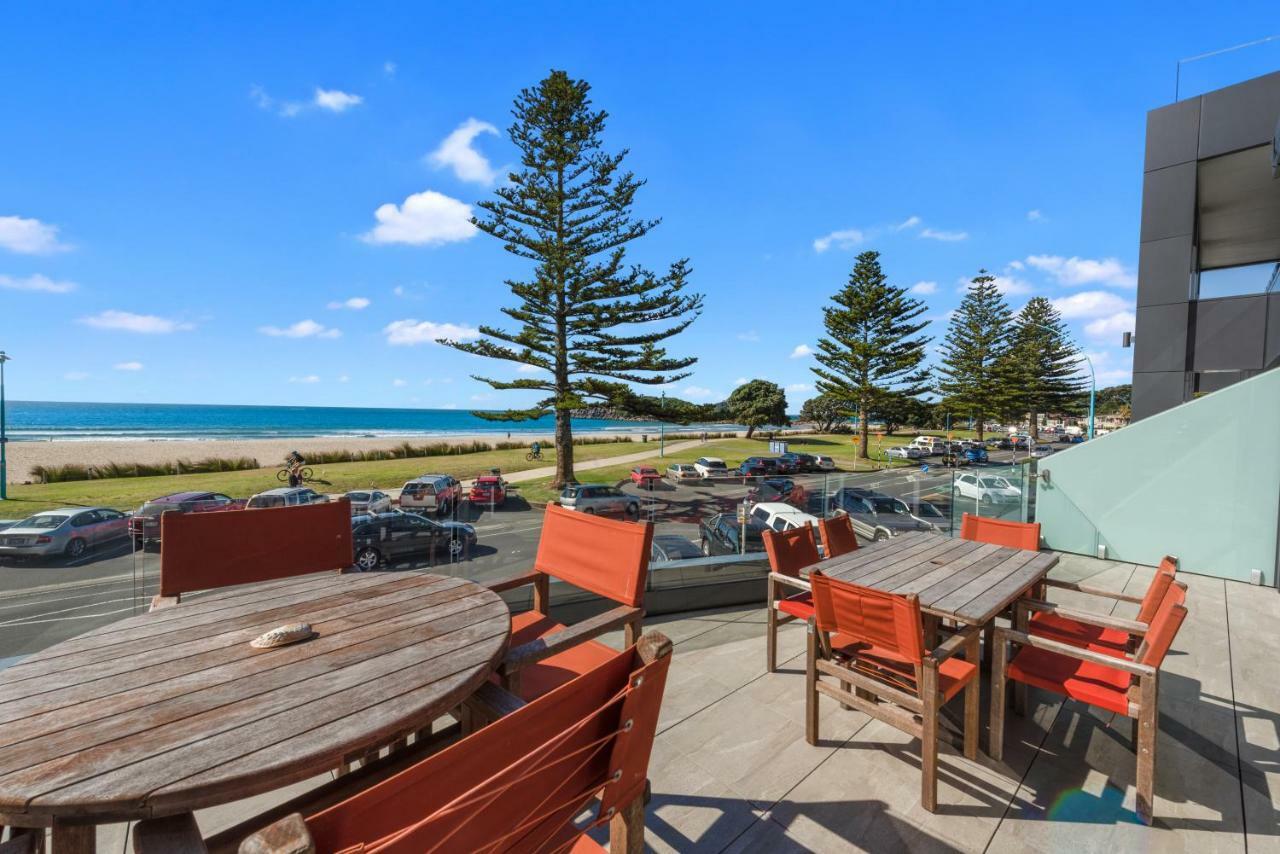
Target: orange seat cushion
x: 953, y: 674
x: 1095, y: 684
x: 800, y: 605
x: 550, y: 673
x: 1083, y: 635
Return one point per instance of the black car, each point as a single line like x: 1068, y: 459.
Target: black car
x: 750, y: 469
x: 722, y: 535
x: 795, y: 462
x: 772, y: 489
x: 877, y: 510
x: 769, y: 464
x: 382, y: 537
x: 668, y: 547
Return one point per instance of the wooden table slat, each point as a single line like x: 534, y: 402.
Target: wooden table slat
x: 996, y: 598
x: 895, y: 568
x: 956, y: 600
x: 867, y: 552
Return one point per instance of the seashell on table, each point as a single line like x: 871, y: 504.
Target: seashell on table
x: 283, y: 636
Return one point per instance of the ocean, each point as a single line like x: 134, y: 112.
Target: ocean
x: 42, y: 421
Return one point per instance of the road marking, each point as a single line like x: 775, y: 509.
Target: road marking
x: 28, y: 621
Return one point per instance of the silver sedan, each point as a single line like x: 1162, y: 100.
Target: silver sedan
x: 71, y: 531
x: 368, y: 501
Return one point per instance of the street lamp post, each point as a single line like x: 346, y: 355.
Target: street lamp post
x: 4, y: 440
x: 662, y: 428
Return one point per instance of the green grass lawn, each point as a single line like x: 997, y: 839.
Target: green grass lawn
x: 128, y: 493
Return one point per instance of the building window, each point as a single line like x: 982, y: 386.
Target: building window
x: 1239, y: 281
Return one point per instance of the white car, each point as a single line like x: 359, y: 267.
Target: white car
x: 286, y: 496
x: 368, y: 501
x: 782, y: 517
x: 711, y: 467
x: 1041, y: 451
x: 824, y: 463
x: 904, y: 452
x: 988, y: 489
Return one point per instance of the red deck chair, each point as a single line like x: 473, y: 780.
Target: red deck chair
x: 1000, y: 532
x: 789, y: 552
x: 837, y: 535
x: 603, y: 556
x: 1083, y: 628
x: 1098, y: 676
x: 874, y: 642
x: 515, y: 786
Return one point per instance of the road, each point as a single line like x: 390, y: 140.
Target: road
x: 44, y: 602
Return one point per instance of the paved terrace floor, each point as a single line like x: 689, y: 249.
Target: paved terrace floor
x: 731, y: 770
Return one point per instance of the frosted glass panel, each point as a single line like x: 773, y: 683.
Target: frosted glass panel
x: 1200, y: 481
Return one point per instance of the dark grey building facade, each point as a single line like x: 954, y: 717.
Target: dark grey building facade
x: 1208, y: 310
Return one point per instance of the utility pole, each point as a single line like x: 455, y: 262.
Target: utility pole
x: 662, y: 427
x: 4, y: 439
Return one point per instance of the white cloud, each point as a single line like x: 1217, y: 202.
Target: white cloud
x: 697, y: 392
x: 410, y: 332
x: 335, y: 101
x: 399, y: 383
x: 1084, y: 271
x: 909, y: 222
x: 389, y: 68
x: 529, y: 369
x: 1009, y: 285
x: 75, y: 376
x: 845, y: 239
x: 425, y: 219
x: 1111, y: 326
x: 750, y: 335
x: 344, y: 378
x: 308, y: 379
x: 801, y: 351
x: 457, y: 153
x: 1091, y: 304
x: 1015, y: 265
x: 354, y: 303
x: 42, y: 284
x: 127, y: 321
x: 1035, y: 216
x: 945, y: 236
x: 799, y: 387
x: 740, y: 381
x: 128, y: 366
x: 302, y: 329
x: 924, y: 288
x: 29, y: 236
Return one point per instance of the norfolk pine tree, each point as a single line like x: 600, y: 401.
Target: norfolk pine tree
x: 1044, y: 363
x: 974, y: 375
x: 592, y: 322
x: 873, y: 349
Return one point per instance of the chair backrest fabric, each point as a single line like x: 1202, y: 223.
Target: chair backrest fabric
x: 999, y: 532
x: 519, y: 783
x: 607, y: 557
x: 1157, y: 589
x: 791, y: 551
x: 838, y: 537
x: 885, y: 620
x: 1164, y: 626
x: 204, y: 551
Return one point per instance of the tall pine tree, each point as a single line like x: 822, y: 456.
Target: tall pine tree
x: 974, y: 375
x: 873, y: 349
x: 1044, y: 364
x: 591, y: 321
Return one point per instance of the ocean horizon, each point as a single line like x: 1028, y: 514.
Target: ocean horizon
x: 41, y: 421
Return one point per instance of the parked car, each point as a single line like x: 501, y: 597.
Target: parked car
x: 364, y: 501
x: 144, y: 524
x: 799, y: 462
x: 668, y: 547
x: 823, y: 463
x: 749, y: 469
x: 682, y: 471
x: 987, y: 489
x: 878, y: 510
x: 903, y: 452
x: 722, y: 534
x: 286, y: 496
x: 772, y: 489
x: 777, y: 516
x: 1041, y: 451
x: 710, y: 467
x: 489, y: 490
x: 785, y: 464
x: 927, y: 512
x: 599, y: 498
x: 645, y: 476
x: 976, y: 454
x: 770, y: 464
x: 934, y: 446
x: 438, y: 493
x: 378, y: 538
x: 71, y: 531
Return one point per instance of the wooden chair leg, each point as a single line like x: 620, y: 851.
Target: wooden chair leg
x: 929, y: 739
x: 1019, y: 688
x: 771, y: 639
x: 811, y: 686
x: 971, y: 698
x: 846, y: 686
x: 995, y: 735
x: 626, y: 828
x: 1147, y: 731
x: 988, y: 644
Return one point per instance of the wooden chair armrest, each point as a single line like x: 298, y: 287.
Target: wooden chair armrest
x: 289, y: 835
x: 1125, y: 664
x: 547, y: 646
x: 1092, y: 591
x: 495, y: 701
x: 174, y: 834
x: 514, y: 581
x: 955, y: 643
x: 800, y: 584
x: 1104, y: 621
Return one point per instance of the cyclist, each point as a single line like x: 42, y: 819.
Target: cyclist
x: 537, y: 450
x: 294, y: 463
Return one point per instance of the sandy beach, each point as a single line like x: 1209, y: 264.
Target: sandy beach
x: 268, y: 452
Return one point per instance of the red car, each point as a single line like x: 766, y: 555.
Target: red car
x: 489, y: 489
x: 645, y: 476
x: 144, y: 525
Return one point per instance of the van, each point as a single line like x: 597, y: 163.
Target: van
x: 935, y: 446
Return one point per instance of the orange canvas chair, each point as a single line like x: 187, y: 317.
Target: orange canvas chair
x: 515, y: 786
x: 1097, y: 675
x: 603, y: 556
x: 789, y: 552
x: 205, y: 551
x: 1014, y: 535
x: 874, y: 642
x: 1083, y: 628
x: 837, y: 535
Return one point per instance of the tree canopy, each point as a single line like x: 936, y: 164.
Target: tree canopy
x: 974, y: 374
x: 758, y: 403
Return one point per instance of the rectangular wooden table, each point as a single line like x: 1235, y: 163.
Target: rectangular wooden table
x: 956, y: 579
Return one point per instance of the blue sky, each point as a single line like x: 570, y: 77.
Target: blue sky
x: 243, y: 204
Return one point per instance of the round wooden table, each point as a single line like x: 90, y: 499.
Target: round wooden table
x: 174, y: 711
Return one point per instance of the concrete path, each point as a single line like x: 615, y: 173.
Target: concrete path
x: 605, y: 462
